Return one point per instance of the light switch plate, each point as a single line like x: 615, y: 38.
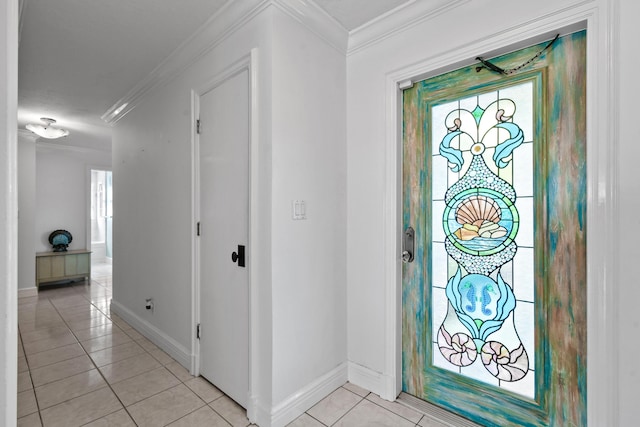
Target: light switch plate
x: 298, y: 209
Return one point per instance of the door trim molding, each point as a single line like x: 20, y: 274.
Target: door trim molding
x: 602, y: 188
x: 248, y: 63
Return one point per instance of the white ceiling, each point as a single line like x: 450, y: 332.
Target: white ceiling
x: 79, y: 57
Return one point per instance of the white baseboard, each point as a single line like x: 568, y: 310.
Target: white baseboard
x: 366, y: 378
x: 181, y: 354
x: 28, y: 292
x: 302, y: 400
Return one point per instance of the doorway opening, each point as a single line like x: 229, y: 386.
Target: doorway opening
x: 101, y: 222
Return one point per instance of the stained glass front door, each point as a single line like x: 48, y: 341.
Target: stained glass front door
x: 494, y: 303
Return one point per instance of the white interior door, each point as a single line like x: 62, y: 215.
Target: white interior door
x: 224, y: 219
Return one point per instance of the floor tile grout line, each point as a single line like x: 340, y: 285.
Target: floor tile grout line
x: 143, y: 373
x: 28, y: 365
x: 33, y: 390
x: 181, y: 383
x: 97, y: 369
x: 57, y: 309
x: 205, y: 403
x: 71, y: 398
x: 311, y: 416
x: 185, y: 415
x: 162, y: 365
x: 155, y: 394
x: 366, y: 397
x: 350, y: 409
x: 214, y: 409
x: 77, y: 342
x: 60, y: 379
x: 104, y: 416
x: 395, y: 413
x: 103, y: 377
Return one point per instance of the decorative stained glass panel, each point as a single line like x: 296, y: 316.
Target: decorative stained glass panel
x: 482, y: 327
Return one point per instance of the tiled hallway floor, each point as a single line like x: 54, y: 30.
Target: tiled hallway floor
x: 78, y: 364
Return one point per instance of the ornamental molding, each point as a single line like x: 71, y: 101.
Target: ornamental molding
x: 398, y: 20
x: 229, y: 19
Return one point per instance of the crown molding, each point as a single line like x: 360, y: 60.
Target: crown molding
x: 231, y: 17
x: 221, y: 25
x: 397, y: 20
x: 317, y: 20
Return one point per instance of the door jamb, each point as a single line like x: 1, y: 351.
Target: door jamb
x: 89, y: 168
x: 248, y: 63
x: 602, y: 198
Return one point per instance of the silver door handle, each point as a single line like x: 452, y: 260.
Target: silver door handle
x: 408, y: 245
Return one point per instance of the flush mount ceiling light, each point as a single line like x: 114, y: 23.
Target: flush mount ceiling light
x: 47, y: 131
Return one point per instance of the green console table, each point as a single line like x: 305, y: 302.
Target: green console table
x: 58, y: 266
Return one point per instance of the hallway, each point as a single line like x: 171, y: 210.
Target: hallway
x: 80, y: 365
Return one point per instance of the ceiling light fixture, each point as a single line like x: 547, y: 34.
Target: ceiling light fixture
x: 47, y: 131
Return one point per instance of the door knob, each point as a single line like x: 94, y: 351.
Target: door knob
x: 238, y: 256
x: 407, y: 256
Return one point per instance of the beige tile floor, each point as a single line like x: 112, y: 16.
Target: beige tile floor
x: 79, y: 364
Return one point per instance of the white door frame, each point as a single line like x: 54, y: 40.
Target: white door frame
x: 602, y: 197
x: 87, y: 186
x: 246, y: 63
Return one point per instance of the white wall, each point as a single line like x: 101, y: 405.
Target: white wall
x: 445, y: 36
x: 301, y: 265
x: 153, y: 204
x: 8, y: 211
x: 26, y: 212
x: 152, y: 175
x: 309, y: 163
x: 62, y: 197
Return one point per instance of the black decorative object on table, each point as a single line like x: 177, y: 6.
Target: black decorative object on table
x: 60, y: 239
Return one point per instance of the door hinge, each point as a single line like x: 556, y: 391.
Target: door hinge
x: 198, y: 229
x: 198, y: 331
x: 198, y: 126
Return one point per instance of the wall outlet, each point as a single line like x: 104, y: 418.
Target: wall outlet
x: 149, y: 304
